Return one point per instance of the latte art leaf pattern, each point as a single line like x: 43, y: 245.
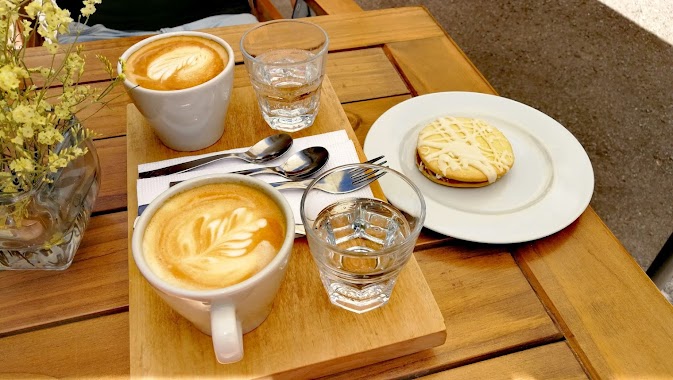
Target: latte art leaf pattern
x: 221, y: 236
x: 214, y: 236
x: 186, y: 58
x: 176, y: 63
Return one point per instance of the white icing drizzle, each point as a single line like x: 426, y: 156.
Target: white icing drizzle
x: 453, y: 144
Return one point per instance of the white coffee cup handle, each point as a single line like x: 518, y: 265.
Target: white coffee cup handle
x: 226, y: 332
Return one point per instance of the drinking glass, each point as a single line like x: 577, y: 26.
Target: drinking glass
x: 286, y: 63
x: 361, y: 240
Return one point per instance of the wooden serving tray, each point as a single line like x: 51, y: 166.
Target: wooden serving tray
x: 304, y: 336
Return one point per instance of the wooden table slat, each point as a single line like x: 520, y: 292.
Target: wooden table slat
x: 553, y: 361
x: 112, y: 156
x: 363, y: 114
x: 420, y: 61
x: 333, y: 7
x: 96, y: 283
x: 93, y: 348
x: 615, y: 319
x: 364, y: 74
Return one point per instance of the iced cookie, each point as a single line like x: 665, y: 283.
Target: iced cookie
x: 463, y: 152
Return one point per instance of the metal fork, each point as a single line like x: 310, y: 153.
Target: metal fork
x: 339, y: 182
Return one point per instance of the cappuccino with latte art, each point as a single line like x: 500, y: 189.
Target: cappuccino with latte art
x: 216, y: 249
x: 181, y: 82
x: 213, y: 236
x: 176, y: 63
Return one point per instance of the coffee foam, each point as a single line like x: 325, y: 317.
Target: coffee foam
x: 176, y: 63
x: 213, y: 236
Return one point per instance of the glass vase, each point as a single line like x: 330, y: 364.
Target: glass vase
x: 54, y: 214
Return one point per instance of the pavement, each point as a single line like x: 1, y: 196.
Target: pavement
x: 604, y: 70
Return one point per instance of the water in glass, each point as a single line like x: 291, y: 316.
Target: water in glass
x: 287, y: 84
x: 362, y: 251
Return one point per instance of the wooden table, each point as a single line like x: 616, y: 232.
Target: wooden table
x: 573, y: 305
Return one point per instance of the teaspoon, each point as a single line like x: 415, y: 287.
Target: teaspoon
x: 300, y: 165
x: 265, y: 150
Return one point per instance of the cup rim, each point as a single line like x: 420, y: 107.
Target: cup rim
x: 319, y: 54
x: 133, y: 48
x: 412, y: 235
x: 166, y: 287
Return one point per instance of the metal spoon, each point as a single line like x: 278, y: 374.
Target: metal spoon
x: 300, y: 165
x: 265, y: 150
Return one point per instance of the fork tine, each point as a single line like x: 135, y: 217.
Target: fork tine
x: 366, y: 181
x: 365, y: 175
x: 373, y: 160
x: 359, y: 173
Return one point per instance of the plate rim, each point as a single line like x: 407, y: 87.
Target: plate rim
x: 570, y: 142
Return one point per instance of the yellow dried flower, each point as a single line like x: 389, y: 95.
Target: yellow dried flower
x: 49, y: 136
x: 23, y: 114
x: 35, y: 118
x: 10, y: 187
x: 22, y: 165
x: 33, y: 8
x: 55, y: 18
x: 17, y: 140
x: 52, y: 47
x: 56, y: 162
x: 89, y: 7
x: 9, y: 81
x: 26, y: 131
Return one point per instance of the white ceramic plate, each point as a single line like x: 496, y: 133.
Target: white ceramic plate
x: 549, y: 186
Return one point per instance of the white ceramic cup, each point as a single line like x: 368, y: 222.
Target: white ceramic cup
x: 188, y: 119
x: 228, y: 313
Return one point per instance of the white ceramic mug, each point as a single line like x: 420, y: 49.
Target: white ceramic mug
x: 227, y: 313
x: 188, y: 119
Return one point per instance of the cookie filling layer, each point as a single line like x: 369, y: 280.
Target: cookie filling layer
x: 421, y: 166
